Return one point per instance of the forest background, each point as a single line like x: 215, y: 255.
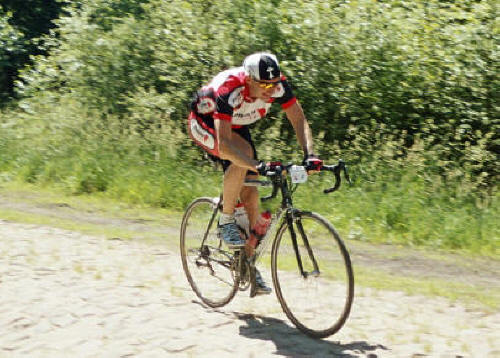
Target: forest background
x: 94, y: 97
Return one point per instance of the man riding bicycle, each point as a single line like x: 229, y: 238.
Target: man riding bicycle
x: 220, y: 115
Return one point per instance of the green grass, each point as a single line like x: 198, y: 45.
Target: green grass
x: 155, y: 218
x: 391, y: 201
x: 109, y: 232
x: 408, y: 212
x: 472, y: 296
x: 94, y: 203
x: 75, y: 209
x: 400, y: 206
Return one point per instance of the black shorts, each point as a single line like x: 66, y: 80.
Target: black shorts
x: 202, y: 131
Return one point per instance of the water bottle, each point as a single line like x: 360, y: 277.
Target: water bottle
x: 241, y: 218
x: 260, y: 228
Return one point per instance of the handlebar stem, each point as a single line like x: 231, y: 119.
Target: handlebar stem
x: 279, y: 181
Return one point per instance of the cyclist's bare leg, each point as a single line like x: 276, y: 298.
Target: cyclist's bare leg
x: 249, y: 195
x: 233, y: 187
x: 235, y: 175
x: 233, y: 182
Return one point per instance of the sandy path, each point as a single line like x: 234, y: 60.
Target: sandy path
x: 64, y: 294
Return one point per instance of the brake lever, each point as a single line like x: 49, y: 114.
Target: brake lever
x: 278, y: 171
x: 338, y: 180
x: 335, y: 187
x: 272, y: 195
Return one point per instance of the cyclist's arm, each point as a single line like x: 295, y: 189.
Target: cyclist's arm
x: 297, y: 118
x: 228, y: 146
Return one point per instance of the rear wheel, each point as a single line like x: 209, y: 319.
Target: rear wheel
x: 319, y: 303
x: 208, y: 265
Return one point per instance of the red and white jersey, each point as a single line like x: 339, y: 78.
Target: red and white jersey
x: 227, y: 98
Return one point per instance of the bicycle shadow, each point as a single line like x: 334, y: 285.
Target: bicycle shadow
x: 290, y: 342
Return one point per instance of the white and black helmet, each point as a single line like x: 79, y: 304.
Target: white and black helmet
x: 262, y: 66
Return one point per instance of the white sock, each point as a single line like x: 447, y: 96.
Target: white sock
x: 226, y: 219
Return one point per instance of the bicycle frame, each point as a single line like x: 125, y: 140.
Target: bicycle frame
x: 287, y: 224
x: 285, y: 213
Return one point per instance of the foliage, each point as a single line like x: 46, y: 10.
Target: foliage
x: 10, y: 49
x: 405, y: 91
x: 28, y: 20
x: 405, y: 201
x: 33, y: 17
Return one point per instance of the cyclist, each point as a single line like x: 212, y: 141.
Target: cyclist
x: 221, y: 112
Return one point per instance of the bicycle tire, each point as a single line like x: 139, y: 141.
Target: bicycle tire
x: 322, y: 316
x: 209, y: 269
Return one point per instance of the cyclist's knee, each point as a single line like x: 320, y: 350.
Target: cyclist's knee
x: 234, y: 172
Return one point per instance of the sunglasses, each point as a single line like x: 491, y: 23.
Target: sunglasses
x: 267, y: 85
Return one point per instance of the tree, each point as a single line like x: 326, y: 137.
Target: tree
x: 22, y: 23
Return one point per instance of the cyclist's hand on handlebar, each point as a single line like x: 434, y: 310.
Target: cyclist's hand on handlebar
x: 263, y: 168
x: 312, y: 163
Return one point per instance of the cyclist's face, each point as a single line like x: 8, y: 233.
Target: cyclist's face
x: 263, y: 89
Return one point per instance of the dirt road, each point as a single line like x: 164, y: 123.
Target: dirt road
x: 65, y: 294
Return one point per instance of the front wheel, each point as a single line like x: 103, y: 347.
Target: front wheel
x: 317, y: 299
x: 210, y: 268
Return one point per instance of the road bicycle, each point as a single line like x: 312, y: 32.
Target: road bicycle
x: 310, y: 265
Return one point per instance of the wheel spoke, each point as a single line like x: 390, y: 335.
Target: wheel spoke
x: 319, y: 301
x: 208, y: 267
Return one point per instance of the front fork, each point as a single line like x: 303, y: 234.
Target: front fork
x: 291, y: 217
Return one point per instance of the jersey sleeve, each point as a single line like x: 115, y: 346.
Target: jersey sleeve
x: 228, y: 97
x: 285, y: 96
